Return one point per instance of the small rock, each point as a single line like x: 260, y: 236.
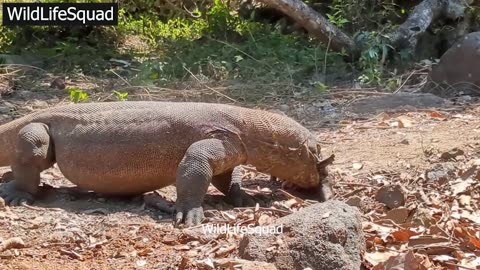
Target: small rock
x: 39, y: 104
x: 355, y: 201
x: 441, y: 173
x: 405, y: 141
x: 357, y: 166
x: 7, y: 108
x: 283, y: 107
x: 58, y: 83
x: 391, y: 195
x: 455, y: 152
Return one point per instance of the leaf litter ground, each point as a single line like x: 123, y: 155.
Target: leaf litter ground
x: 414, y: 176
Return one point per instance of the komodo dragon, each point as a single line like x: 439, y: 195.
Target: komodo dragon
x: 133, y: 147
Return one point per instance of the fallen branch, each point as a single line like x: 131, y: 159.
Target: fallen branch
x: 317, y: 25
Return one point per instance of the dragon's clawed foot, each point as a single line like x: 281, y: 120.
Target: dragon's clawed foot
x: 239, y: 198
x: 192, y: 216
x: 12, y: 196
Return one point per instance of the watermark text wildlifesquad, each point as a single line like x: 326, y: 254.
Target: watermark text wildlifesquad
x: 59, y: 14
x: 237, y: 229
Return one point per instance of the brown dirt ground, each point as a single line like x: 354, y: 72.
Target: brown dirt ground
x: 84, y: 231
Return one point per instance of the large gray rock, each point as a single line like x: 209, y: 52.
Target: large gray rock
x: 325, y: 236
x: 396, y: 102
x: 458, y: 69
x: 13, y: 59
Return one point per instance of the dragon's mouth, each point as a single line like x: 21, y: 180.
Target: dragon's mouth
x: 324, y: 163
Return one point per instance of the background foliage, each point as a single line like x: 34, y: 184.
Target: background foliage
x: 217, y: 40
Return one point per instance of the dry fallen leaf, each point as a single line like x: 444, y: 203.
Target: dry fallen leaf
x: 443, y: 258
x: 406, y: 261
x: 206, y: 264
x: 460, y: 186
x: 398, y: 215
x: 464, y: 200
x: 378, y: 257
x: 182, y: 247
x: 436, y: 230
x: 403, y: 235
x: 427, y: 240
x: 475, y: 242
x: 385, y: 116
x: 145, y: 252
x: 473, y: 217
x: 436, y: 114
x: 169, y: 239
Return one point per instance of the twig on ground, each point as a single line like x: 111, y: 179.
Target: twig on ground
x: 265, y: 209
x: 40, y: 208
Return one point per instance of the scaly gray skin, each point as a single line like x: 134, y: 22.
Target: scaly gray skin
x: 134, y: 147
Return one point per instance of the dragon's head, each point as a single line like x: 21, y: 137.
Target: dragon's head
x: 306, y: 173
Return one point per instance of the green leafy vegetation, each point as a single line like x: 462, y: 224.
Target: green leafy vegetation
x: 77, y: 95
x: 121, y: 96
x: 218, y: 45
x: 209, y: 42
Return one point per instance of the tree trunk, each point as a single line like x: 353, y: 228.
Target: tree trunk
x: 405, y: 36
x: 317, y: 25
x: 422, y: 16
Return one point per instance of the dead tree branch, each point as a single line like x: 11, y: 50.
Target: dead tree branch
x: 422, y: 16
x: 317, y: 25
